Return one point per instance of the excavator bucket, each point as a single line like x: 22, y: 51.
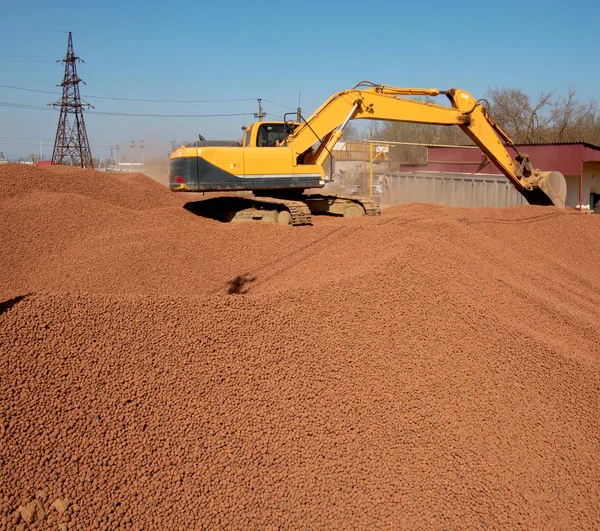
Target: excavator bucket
x: 550, y: 189
x: 554, y: 185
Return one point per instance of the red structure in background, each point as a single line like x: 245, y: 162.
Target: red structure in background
x: 579, y: 162
x: 565, y: 158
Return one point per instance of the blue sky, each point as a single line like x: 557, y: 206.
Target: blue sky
x: 217, y: 50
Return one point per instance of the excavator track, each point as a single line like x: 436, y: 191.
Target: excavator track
x: 299, y: 211
x: 296, y: 212
x: 370, y: 207
x: 266, y: 209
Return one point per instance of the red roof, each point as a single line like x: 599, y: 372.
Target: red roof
x: 586, y: 144
x: 565, y: 157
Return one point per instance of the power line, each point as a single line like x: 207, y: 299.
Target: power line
x: 169, y: 101
x: 34, y: 139
x: 273, y: 103
x: 35, y: 30
x: 169, y: 115
x: 139, y: 115
x: 20, y: 144
x: 24, y: 106
x: 147, y: 100
x: 133, y: 122
x: 27, y: 56
x: 164, y: 120
x: 26, y: 60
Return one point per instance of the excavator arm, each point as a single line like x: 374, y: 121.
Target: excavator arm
x: 380, y: 102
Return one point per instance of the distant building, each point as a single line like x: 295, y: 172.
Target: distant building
x: 129, y: 166
x: 360, y: 151
x: 579, y: 162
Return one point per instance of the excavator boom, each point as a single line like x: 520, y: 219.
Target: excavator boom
x: 385, y: 103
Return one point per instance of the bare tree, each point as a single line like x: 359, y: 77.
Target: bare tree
x: 422, y: 134
x: 351, y: 134
x: 548, y: 118
x: 522, y: 119
x: 573, y: 120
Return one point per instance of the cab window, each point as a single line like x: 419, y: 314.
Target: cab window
x: 269, y: 133
x: 247, y: 136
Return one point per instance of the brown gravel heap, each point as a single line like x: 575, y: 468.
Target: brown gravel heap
x: 431, y: 368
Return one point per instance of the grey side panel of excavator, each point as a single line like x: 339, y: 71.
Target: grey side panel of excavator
x: 202, y: 176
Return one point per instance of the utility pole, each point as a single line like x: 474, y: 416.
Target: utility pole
x: 111, y: 154
x: 71, y: 145
x: 132, y: 155
x: 117, y: 161
x: 172, y: 145
x: 142, y: 146
x: 260, y: 115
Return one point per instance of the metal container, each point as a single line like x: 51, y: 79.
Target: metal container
x: 451, y: 189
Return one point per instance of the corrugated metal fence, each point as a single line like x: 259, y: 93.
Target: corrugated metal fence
x: 452, y: 189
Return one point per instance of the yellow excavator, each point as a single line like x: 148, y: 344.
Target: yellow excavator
x: 278, y: 161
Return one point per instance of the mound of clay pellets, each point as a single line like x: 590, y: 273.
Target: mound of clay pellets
x: 431, y: 368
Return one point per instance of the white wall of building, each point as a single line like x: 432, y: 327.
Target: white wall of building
x: 591, y: 182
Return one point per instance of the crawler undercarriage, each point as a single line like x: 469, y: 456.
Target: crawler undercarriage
x: 296, y: 209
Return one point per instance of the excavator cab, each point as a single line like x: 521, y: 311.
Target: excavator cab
x: 265, y: 134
